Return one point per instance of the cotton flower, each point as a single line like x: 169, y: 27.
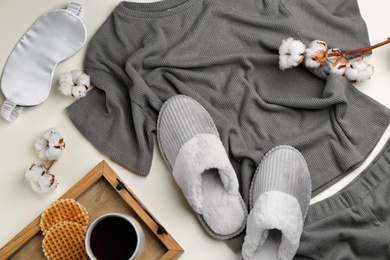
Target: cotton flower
x: 338, y: 69
x: 83, y: 79
x: 291, y: 53
x: 47, y: 184
x: 65, y: 89
x: 79, y: 91
x: 75, y: 74
x: 35, y: 172
x: 316, y: 54
x: 336, y: 64
x: 40, y: 179
x: 359, y: 71
x: 75, y: 83
x: 333, y: 61
x: 50, y: 146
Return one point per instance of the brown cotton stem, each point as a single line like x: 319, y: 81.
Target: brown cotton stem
x: 361, y: 51
x: 51, y: 164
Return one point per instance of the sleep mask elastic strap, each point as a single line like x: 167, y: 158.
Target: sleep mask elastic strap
x: 10, y: 111
x: 74, y: 8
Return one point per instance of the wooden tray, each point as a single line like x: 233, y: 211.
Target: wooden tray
x: 100, y: 191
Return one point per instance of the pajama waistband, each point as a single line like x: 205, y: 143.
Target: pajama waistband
x: 366, y: 183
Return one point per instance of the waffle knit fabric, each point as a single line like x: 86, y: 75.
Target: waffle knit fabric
x: 224, y: 54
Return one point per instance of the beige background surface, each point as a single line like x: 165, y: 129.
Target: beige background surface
x: 19, y: 205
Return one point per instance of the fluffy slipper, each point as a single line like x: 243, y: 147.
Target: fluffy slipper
x: 190, y: 145
x: 27, y: 76
x: 280, y: 197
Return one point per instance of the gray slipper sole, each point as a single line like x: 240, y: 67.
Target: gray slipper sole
x: 190, y: 145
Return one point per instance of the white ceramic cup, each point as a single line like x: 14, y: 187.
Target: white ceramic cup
x: 103, y: 222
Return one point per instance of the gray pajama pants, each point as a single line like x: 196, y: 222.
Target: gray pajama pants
x: 355, y: 222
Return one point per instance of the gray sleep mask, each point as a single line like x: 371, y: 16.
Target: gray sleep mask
x: 27, y: 76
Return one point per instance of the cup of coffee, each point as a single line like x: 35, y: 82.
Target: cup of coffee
x: 114, y: 236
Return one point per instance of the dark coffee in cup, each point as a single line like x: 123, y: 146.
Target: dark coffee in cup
x: 114, y: 236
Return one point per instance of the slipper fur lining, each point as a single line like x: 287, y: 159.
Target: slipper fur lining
x: 200, y: 153
x: 274, y: 210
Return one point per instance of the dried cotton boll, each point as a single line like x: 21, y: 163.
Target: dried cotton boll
x: 338, y: 69
x: 50, y: 146
x: 336, y: 64
x: 83, y: 79
x: 316, y: 54
x: 66, y: 78
x: 40, y: 179
x: 66, y: 84
x: 333, y: 61
x: 40, y: 145
x: 75, y: 75
x: 291, y: 53
x: 75, y: 83
x: 359, y: 71
x: 35, y: 172
x: 284, y: 48
x: 65, y: 89
x: 47, y: 184
x: 79, y: 91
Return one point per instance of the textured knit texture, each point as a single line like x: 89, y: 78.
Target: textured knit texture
x: 354, y: 223
x: 224, y: 54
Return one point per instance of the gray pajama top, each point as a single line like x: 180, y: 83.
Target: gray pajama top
x: 224, y: 54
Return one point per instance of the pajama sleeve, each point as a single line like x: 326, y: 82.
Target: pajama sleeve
x: 337, y: 22
x: 114, y: 124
